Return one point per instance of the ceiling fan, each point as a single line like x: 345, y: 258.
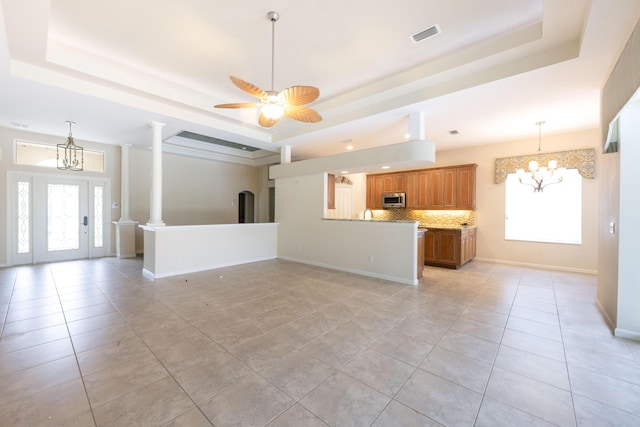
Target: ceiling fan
x: 290, y: 102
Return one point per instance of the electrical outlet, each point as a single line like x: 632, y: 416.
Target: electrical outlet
x: 299, y: 248
x: 370, y: 259
x: 577, y: 257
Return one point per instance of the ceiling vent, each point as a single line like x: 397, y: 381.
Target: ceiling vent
x: 425, y: 34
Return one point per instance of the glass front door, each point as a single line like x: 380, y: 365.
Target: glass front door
x: 57, y: 219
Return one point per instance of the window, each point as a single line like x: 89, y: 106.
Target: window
x: 35, y: 154
x: 553, y: 215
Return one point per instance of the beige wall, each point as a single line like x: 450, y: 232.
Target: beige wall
x: 194, y: 191
x: 491, y: 204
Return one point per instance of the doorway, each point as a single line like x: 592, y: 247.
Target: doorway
x: 55, y: 218
x: 245, y: 207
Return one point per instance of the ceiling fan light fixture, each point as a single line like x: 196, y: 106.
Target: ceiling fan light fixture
x: 273, y: 105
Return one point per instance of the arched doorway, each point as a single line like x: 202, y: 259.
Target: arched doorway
x: 245, y: 207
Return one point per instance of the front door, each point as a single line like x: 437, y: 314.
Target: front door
x: 57, y: 218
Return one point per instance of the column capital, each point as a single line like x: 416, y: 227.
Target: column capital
x: 156, y: 125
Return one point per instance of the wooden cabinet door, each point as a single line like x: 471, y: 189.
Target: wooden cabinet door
x: 420, y: 260
x: 449, y: 188
x: 423, y: 189
x: 371, y: 188
x: 399, y: 183
x: 466, y: 187
x: 449, y: 246
x: 387, y: 184
x: 430, y: 246
x: 434, y: 191
x: 331, y: 191
x: 411, y: 190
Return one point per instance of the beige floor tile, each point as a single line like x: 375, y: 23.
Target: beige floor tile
x: 113, y: 382
x: 297, y: 374
x: 397, y: 414
x: 384, y: 373
x: 155, y: 404
x: 407, y: 349
x: 495, y: 414
x: 215, y: 373
x: 297, y: 416
x: 439, y: 399
x: 342, y: 400
x: 539, y: 368
x: 63, y: 404
x: 213, y: 328
x: 251, y: 401
x: 462, y: 370
x: 475, y: 348
x: 191, y: 418
x: 20, y: 384
x: 542, y: 400
x: 333, y: 349
x: 34, y: 356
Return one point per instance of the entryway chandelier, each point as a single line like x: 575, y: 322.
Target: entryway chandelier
x: 538, y: 176
x: 72, y: 155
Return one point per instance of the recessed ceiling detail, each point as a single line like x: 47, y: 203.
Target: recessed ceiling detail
x: 212, y: 140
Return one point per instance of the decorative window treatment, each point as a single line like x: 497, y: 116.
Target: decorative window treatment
x: 584, y: 160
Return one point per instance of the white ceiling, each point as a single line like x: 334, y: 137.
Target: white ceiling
x: 497, y: 67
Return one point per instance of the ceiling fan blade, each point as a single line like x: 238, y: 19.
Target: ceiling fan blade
x: 251, y: 89
x: 302, y: 114
x: 237, y: 105
x: 266, y: 122
x: 300, y: 95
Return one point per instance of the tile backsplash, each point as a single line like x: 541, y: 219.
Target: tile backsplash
x: 427, y: 218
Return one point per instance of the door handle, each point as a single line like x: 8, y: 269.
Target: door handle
x: 85, y: 220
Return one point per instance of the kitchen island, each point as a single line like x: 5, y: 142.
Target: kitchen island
x: 449, y: 246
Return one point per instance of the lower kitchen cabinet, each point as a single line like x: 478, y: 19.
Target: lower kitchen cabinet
x: 449, y: 247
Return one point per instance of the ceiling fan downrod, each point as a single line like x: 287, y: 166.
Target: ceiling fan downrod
x: 273, y: 17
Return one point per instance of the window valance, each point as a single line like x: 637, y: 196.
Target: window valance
x: 584, y: 160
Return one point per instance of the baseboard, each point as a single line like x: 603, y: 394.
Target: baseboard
x: 203, y: 268
x: 538, y: 266
x: 623, y: 333
x: 351, y: 270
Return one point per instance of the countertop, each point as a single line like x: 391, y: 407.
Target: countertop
x: 444, y: 226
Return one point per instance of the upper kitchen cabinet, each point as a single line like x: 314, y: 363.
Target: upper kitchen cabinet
x: 331, y: 191
x: 466, y: 187
x: 447, y: 188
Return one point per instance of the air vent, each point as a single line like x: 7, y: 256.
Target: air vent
x: 425, y: 34
x: 212, y: 140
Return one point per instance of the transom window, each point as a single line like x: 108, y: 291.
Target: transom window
x: 37, y: 154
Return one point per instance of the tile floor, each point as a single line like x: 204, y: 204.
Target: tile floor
x: 283, y: 344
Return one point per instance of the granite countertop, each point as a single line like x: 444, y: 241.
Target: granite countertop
x: 368, y: 220
x: 445, y: 226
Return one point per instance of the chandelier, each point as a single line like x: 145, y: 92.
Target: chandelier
x: 538, y: 176
x: 72, y: 155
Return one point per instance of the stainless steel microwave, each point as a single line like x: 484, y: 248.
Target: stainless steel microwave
x: 393, y: 200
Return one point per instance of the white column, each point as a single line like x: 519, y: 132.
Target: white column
x: 285, y: 154
x: 125, y: 184
x: 125, y: 227
x: 416, y: 126
x: 156, y: 176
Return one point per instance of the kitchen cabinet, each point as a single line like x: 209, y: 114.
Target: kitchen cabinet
x: 467, y: 245
x: 411, y: 191
x: 375, y: 187
x: 420, y: 260
x: 449, y: 247
x: 448, y: 188
x: 466, y: 187
x: 331, y: 191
